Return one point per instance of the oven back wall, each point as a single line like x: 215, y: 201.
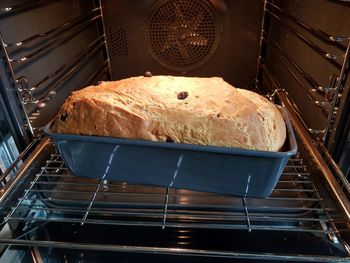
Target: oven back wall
x: 192, y: 38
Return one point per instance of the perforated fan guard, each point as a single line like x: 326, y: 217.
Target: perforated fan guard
x: 182, y: 34
x: 119, y: 41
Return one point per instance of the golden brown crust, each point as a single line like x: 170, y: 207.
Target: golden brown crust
x: 205, y: 111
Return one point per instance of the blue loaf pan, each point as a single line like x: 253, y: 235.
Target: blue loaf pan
x: 222, y: 170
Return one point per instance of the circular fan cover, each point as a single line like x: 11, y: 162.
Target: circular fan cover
x: 183, y: 34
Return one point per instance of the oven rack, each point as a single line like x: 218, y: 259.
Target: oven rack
x: 55, y: 195
x: 55, y: 198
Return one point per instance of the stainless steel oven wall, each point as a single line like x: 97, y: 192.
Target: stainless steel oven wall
x: 307, y: 51
x: 53, y: 48
x: 193, y: 38
x: 8, y: 140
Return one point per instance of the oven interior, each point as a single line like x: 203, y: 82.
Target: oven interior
x: 294, y: 52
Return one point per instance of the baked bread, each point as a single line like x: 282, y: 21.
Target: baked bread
x: 205, y: 111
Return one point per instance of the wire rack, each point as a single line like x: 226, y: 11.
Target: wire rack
x: 55, y: 195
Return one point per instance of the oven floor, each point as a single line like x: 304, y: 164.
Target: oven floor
x: 46, y: 255
x: 256, y: 242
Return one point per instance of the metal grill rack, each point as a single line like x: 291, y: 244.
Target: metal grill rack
x: 56, y: 195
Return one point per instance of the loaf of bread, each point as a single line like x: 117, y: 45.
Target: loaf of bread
x: 205, y: 111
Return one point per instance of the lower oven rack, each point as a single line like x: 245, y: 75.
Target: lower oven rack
x: 55, y: 197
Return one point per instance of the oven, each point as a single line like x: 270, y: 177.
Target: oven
x: 294, y: 52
